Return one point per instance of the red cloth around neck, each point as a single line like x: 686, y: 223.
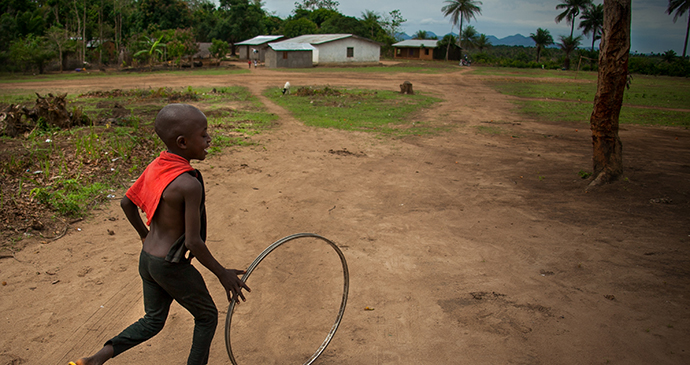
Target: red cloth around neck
x: 146, y: 192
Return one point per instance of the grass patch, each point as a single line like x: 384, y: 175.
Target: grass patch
x: 654, y: 93
x: 402, y: 66
x: 532, y: 73
x: 581, y: 112
x: 661, y: 92
x: 489, y: 130
x: 51, y: 172
x: 384, y: 112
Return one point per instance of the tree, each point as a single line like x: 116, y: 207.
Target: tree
x: 370, y: 20
x: 297, y: 27
x: 568, y: 45
x: 572, y: 10
x: 542, y: 39
x: 482, y: 42
x: 219, y: 49
x: 421, y: 34
x: 243, y: 21
x: 460, y: 10
x: 607, y: 157
x: 152, y: 47
x: 680, y: 7
x: 60, y: 38
x: 469, y: 37
x: 343, y: 24
x: 392, y: 24
x: 592, y: 22
x: 31, y: 50
x: 317, y: 4
x: 164, y: 14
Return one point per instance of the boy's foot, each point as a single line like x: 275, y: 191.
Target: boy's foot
x: 97, y: 359
x: 85, y: 361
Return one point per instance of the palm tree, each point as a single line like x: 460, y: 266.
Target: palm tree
x: 680, y: 7
x: 593, y: 22
x: 370, y: 19
x: 421, y: 34
x: 542, y: 39
x: 482, y: 42
x: 469, y: 37
x: 568, y: 45
x: 572, y: 10
x: 460, y: 10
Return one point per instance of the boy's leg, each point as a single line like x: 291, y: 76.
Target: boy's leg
x: 156, y: 305
x: 186, y: 285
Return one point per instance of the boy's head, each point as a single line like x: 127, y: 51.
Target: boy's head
x: 184, y: 130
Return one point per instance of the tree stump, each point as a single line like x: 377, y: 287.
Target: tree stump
x: 406, y: 88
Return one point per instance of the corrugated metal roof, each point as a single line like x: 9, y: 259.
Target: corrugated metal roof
x: 258, y: 40
x: 325, y: 38
x: 317, y: 38
x: 290, y: 46
x: 427, y: 43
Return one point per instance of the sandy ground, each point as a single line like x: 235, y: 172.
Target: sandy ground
x: 471, y: 248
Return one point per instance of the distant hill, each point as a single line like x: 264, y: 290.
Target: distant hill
x: 513, y: 40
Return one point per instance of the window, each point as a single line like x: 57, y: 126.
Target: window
x: 426, y: 51
x: 350, y: 52
x: 285, y: 55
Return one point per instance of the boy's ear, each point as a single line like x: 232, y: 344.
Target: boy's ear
x: 181, y: 142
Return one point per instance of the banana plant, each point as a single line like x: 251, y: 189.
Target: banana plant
x: 152, y: 48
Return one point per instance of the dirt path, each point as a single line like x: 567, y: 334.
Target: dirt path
x: 470, y: 247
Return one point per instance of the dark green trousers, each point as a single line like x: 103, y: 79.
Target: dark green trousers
x: 164, y: 282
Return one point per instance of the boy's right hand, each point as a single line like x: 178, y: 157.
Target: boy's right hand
x: 233, y: 284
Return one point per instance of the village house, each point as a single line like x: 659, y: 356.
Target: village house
x: 339, y: 49
x: 289, y: 55
x: 417, y: 49
x: 255, y: 48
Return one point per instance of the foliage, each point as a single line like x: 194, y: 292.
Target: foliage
x: 118, y: 27
x: 219, y: 48
x: 181, y: 43
x: 571, y: 11
x: 468, y: 37
x: 460, y: 10
x: 680, y: 7
x: 317, y: 4
x: 593, y: 21
x: 30, y: 50
x: 542, y: 39
x: 152, y: 48
x: 482, y: 42
x: 297, y: 27
x: 568, y: 45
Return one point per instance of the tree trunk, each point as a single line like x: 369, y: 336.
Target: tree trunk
x: 687, y: 31
x: 613, y: 73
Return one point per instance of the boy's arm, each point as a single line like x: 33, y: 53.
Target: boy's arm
x: 192, y: 192
x: 132, y: 214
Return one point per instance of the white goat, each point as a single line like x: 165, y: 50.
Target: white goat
x: 286, y: 88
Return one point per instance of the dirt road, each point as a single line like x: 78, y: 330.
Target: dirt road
x: 470, y: 247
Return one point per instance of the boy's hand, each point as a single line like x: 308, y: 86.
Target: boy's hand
x: 233, y: 285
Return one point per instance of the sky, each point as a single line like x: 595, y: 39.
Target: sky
x: 652, y: 29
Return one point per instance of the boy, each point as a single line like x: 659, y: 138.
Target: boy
x: 171, y: 193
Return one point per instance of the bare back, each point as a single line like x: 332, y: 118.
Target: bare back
x: 177, y: 214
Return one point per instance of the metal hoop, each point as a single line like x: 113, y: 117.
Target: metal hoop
x: 268, y: 250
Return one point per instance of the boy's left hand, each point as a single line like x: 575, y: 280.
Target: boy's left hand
x: 233, y: 284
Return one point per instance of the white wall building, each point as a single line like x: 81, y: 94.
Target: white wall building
x: 340, y: 48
